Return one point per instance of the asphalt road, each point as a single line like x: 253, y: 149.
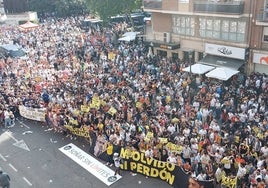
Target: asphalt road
x: 31, y: 156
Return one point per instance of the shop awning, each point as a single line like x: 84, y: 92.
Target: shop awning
x: 219, y: 61
x: 198, y: 68
x: 222, y: 73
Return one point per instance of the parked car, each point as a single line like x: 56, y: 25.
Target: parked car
x: 13, y: 51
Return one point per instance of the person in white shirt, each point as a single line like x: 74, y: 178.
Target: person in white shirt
x: 171, y: 129
x: 264, y: 150
x: 219, y: 174
x: 194, y: 147
x: 186, y: 153
x: 7, y: 118
x: 186, y: 132
x: 149, y: 152
x: 202, y: 133
x: 217, y: 157
x: 241, y: 174
x: 202, y: 176
x: 258, y: 175
x: 172, y: 158
x: 205, y: 158
x: 117, y: 160
x: 266, y: 177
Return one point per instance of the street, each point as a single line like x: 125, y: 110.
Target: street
x: 30, y: 155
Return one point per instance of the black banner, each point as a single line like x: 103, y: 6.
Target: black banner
x: 135, y: 161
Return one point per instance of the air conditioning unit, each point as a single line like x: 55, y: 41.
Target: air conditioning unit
x: 166, y: 37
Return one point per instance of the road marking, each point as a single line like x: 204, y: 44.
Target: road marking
x: 53, y: 141
x: 10, y: 136
x: 27, y: 132
x: 24, y: 124
x: 4, y: 159
x: 21, y: 144
x: 27, y: 181
x: 13, y: 167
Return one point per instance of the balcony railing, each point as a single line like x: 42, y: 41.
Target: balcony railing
x: 219, y: 7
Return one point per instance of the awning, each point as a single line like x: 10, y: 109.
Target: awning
x: 219, y: 61
x: 28, y: 25
x: 198, y: 68
x: 128, y: 36
x: 222, y: 73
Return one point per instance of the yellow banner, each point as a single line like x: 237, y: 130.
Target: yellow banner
x: 163, y: 140
x: 84, y: 132
x: 85, y: 108
x: 73, y: 121
x: 111, y: 56
x: 229, y: 182
x: 96, y: 102
x: 174, y: 147
x: 112, y: 111
x: 139, y: 105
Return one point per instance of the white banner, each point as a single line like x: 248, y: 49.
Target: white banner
x: 37, y: 114
x: 225, y: 51
x: 260, y: 58
x: 92, y: 165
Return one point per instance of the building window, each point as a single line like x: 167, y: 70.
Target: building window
x: 265, y: 38
x: 229, y: 30
x: 183, y: 25
x: 265, y: 34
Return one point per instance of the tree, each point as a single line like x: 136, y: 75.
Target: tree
x: 107, y: 8
x: 57, y: 7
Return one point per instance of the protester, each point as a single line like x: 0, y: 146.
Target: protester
x: 117, y: 162
x: 4, y: 180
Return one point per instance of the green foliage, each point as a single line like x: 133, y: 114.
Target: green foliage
x: 102, y: 8
x: 58, y: 7
x: 107, y: 8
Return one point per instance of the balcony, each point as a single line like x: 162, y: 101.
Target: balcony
x: 219, y: 7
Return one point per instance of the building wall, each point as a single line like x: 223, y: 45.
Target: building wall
x: 170, y: 5
x: 161, y: 22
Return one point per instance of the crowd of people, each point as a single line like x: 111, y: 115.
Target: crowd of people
x: 138, y: 101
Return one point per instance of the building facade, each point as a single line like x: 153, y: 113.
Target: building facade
x: 217, y: 32
x: 259, y: 40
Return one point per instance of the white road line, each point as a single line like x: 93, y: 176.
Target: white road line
x: 2, y: 157
x: 9, y: 134
x: 13, y: 167
x: 27, y: 181
x: 24, y: 125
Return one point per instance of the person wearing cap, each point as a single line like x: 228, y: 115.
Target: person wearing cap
x: 4, y: 180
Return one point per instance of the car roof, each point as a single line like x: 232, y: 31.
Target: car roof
x: 10, y: 47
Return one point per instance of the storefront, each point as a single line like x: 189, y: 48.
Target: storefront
x: 227, y: 60
x: 164, y: 49
x: 224, y: 56
x: 260, y: 61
